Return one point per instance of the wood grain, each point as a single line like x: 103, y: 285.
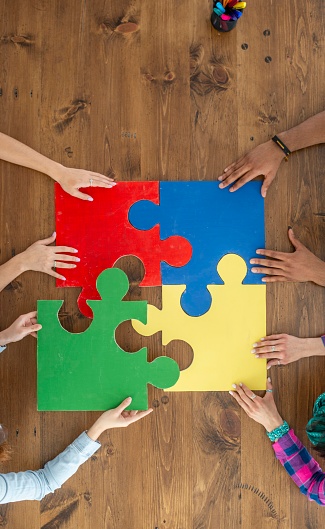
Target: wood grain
x: 149, y: 90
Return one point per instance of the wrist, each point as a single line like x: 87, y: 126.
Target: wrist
x: 278, y: 153
x: 319, y: 274
x: 4, y: 338
x: 95, y: 431
x: 273, y: 422
x: 314, y: 347
x: 18, y: 264
x: 55, y: 171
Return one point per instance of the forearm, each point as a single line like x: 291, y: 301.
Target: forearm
x: 34, y: 485
x: 307, y: 133
x: 14, y: 151
x: 10, y: 270
x: 300, y: 465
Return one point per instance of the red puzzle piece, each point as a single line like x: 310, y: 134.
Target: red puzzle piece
x: 101, y: 232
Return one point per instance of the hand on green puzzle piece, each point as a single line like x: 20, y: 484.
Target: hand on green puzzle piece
x: 89, y: 371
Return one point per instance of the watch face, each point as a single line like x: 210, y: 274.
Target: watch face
x: 3, y: 433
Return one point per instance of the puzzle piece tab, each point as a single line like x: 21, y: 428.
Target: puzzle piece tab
x: 215, y: 222
x: 221, y: 339
x: 89, y: 371
x: 101, y: 232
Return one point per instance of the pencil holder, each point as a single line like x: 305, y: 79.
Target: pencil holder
x: 222, y: 25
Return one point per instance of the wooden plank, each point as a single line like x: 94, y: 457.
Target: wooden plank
x: 151, y: 91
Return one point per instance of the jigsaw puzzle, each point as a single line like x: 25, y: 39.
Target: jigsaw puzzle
x: 89, y: 371
x: 222, y: 338
x: 101, y: 232
x: 215, y: 222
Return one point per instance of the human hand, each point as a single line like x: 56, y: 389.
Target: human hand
x: 116, y: 418
x: 71, y: 180
x: 301, y: 265
x: 262, y: 160
x: 41, y: 257
x: 282, y: 349
x: 21, y: 327
x: 261, y: 409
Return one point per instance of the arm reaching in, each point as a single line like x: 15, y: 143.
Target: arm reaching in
x: 21, y: 327
x: 71, y: 180
x: 282, y: 349
x: 40, y: 257
x: 293, y: 456
x: 266, y: 158
x: 34, y: 485
x: 300, y: 266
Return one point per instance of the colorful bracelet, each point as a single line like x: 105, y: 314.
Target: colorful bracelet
x: 278, y: 432
x: 282, y: 146
x: 2, y: 348
x: 323, y: 339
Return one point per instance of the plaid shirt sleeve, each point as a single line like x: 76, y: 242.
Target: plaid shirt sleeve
x: 301, y: 467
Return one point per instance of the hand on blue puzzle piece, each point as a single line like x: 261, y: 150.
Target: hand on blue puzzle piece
x: 214, y: 222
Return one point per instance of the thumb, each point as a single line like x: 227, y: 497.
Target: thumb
x: 48, y: 240
x: 266, y: 184
x: 34, y: 328
x: 269, y: 383
x: 294, y: 241
x: 126, y: 402
x: 83, y: 196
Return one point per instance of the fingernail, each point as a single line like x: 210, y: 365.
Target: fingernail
x: 231, y: 393
x: 234, y: 385
x: 258, y: 251
x: 78, y: 259
x: 263, y: 279
x: 262, y: 339
x: 257, y: 356
x: 90, y: 199
x: 63, y: 278
x: 129, y: 398
x: 252, y: 261
x: 219, y: 178
x: 75, y: 251
x: 231, y: 190
x: 254, y: 344
x: 221, y: 186
x: 240, y: 383
x: 269, y: 379
x: 253, y: 351
x: 54, y: 233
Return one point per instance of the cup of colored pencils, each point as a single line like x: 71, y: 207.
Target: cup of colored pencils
x: 226, y: 13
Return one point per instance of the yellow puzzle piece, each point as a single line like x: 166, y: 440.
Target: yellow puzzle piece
x: 222, y: 338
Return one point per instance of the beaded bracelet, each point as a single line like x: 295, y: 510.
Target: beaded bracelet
x: 282, y: 146
x: 323, y: 339
x: 278, y: 432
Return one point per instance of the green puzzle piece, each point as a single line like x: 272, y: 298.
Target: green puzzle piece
x: 88, y: 370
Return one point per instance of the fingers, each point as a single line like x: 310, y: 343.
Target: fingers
x: 294, y: 241
x: 60, y: 257
x: 274, y: 279
x: 243, y: 180
x: 56, y: 275
x: 266, y: 262
x: 48, y: 240
x: 29, y: 315
x: 273, y: 337
x: 34, y: 328
x: 139, y: 415
x: 121, y: 407
x: 64, y: 265
x: 272, y: 253
x: 82, y: 196
x: 272, y: 363
x: 241, y: 403
x: 65, y: 249
x: 269, y: 271
x: 245, y: 393
x: 266, y: 184
x: 234, y: 174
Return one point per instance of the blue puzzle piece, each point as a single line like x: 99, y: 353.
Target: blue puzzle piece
x: 215, y: 222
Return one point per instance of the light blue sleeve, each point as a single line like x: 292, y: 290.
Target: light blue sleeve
x: 34, y: 485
